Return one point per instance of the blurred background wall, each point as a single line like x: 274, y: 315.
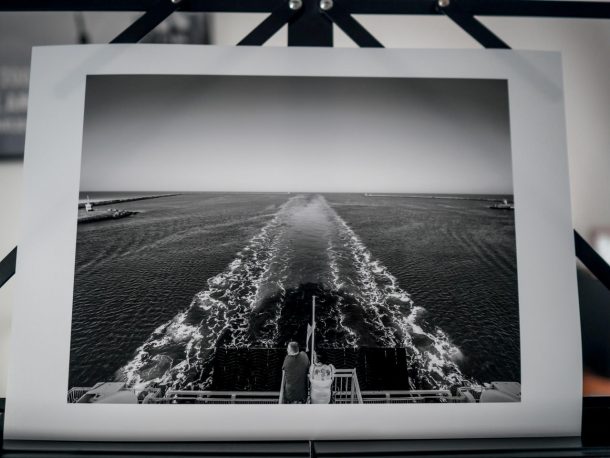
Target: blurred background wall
x: 584, y: 43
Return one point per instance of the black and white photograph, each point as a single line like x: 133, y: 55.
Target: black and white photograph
x: 295, y: 240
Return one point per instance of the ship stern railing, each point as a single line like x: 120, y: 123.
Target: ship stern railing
x: 410, y: 396
x: 217, y: 397
x: 345, y: 387
x: 77, y: 392
x: 282, y: 386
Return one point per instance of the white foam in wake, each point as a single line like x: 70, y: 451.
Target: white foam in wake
x: 221, y: 310
x: 396, y: 318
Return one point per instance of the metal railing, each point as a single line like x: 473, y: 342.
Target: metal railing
x: 410, y: 396
x: 345, y: 387
x: 281, y: 400
x: 217, y: 397
x: 150, y: 396
x: 74, y: 394
x: 345, y: 390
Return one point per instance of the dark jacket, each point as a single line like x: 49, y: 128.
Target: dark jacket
x: 295, y: 369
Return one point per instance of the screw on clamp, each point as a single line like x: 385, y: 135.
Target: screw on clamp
x: 295, y: 4
x: 326, y: 5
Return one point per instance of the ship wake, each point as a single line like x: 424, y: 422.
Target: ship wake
x: 263, y: 300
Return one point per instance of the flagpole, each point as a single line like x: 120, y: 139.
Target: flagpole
x: 313, y: 329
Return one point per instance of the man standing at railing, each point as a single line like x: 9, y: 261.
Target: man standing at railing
x: 295, y: 367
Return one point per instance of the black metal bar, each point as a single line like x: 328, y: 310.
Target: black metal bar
x: 204, y: 6
x: 7, y: 266
x: 592, y: 260
x: 351, y: 27
x: 269, y: 27
x: 538, y: 8
x: 147, y: 22
x: 138, y: 449
x: 533, y: 8
x: 392, y: 7
x: 311, y: 28
x: 471, y: 25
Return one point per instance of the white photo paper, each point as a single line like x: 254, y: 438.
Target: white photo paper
x: 268, y: 243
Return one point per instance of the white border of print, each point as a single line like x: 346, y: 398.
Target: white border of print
x: 549, y: 318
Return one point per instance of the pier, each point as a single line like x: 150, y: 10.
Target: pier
x: 99, y: 203
x: 92, y: 216
x: 111, y: 213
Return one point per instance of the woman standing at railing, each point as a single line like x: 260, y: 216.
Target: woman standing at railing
x: 321, y: 377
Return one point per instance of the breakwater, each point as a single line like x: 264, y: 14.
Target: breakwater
x: 113, y: 213
x: 98, y: 203
x: 439, y: 197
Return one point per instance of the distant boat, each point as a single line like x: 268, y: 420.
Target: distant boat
x: 502, y: 206
x: 88, y: 205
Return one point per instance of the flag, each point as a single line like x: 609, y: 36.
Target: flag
x: 309, y: 332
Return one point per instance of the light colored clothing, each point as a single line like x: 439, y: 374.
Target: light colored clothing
x: 321, y: 379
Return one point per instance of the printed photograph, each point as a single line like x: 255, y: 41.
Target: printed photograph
x: 295, y: 240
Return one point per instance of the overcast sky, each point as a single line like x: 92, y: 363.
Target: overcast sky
x: 226, y: 133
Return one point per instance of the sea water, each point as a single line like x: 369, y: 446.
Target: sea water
x: 155, y: 293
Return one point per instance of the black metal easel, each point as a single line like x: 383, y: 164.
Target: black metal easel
x: 310, y: 23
